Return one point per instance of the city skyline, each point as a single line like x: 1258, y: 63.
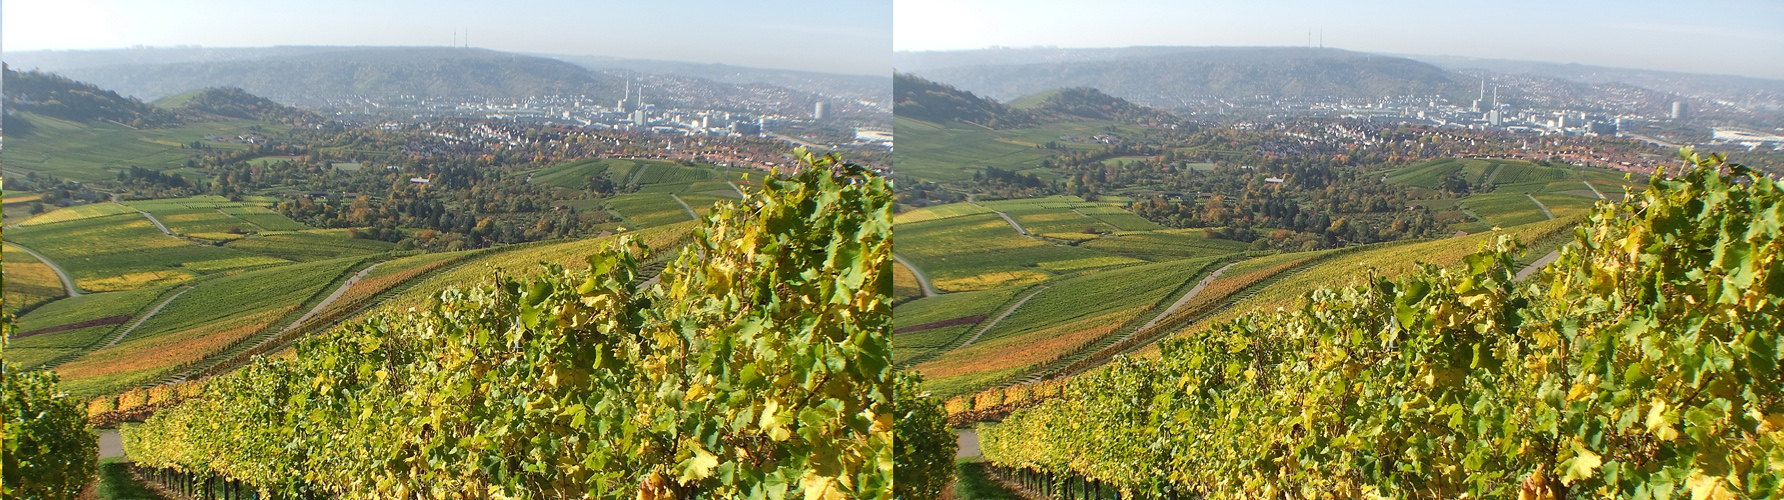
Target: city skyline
x: 855, y: 36
x: 1739, y: 37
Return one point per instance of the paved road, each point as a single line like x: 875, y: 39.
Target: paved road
x: 145, y: 317
x: 66, y: 283
x: 1538, y: 265
x: 111, y: 444
x: 331, y: 298
x: 1000, y: 317
x: 1594, y: 189
x: 738, y: 190
x: 1545, y: 209
x: 968, y: 440
x: 928, y: 291
x: 684, y: 206
x: 1006, y: 218
x: 1193, y: 292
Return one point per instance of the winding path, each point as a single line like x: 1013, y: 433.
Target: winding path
x: 1001, y: 317
x: 1545, y: 209
x: 73, y: 291
x: 684, y: 206
x: 331, y: 298
x: 145, y: 317
x: 1006, y: 218
x: 1594, y: 189
x: 1193, y: 292
x: 158, y: 222
x: 928, y: 291
x: 1538, y: 265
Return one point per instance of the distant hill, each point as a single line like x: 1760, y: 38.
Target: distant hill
x: 938, y: 102
x: 346, y: 72
x: 876, y: 88
x: 1163, y: 76
x: 922, y: 99
x: 1094, y: 104
x: 60, y: 97
x: 232, y: 102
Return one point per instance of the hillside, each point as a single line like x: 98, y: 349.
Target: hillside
x: 1165, y: 75
x: 1084, y: 102
x: 914, y: 97
x: 60, y: 97
x: 233, y: 102
x: 360, y: 71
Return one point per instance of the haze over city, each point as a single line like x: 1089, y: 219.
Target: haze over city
x: 1740, y: 37
x: 848, y: 37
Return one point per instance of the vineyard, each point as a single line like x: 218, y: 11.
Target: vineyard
x: 126, y: 251
x: 759, y: 365
x: 1641, y: 365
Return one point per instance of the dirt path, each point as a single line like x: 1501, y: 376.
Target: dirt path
x: 1538, y: 265
x: 1545, y: 209
x: 1594, y: 189
x: 331, y: 298
x: 684, y: 206
x: 928, y: 291
x: 67, y: 283
x: 1193, y: 292
x: 144, y: 318
x: 741, y: 195
x: 157, y: 223
x: 1001, y: 317
x: 1006, y: 218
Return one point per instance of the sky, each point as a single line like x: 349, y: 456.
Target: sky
x: 812, y: 35
x: 1741, y: 37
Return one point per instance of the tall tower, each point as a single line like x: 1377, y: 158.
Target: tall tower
x: 820, y: 110
x: 1681, y: 110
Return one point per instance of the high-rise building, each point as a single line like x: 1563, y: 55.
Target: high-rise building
x: 1493, y: 117
x: 638, y: 118
x: 820, y: 110
x: 1681, y: 110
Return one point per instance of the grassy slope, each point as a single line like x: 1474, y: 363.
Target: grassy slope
x: 126, y: 251
x: 91, y: 152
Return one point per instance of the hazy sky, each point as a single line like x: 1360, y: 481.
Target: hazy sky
x: 1744, y: 37
x: 815, y: 35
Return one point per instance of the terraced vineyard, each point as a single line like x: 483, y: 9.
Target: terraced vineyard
x: 64, y: 329
x: 1066, y: 317
x: 214, y: 316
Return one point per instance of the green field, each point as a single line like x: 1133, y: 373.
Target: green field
x: 1158, y: 246
x: 954, y: 151
x: 77, y: 212
x: 214, y: 217
x: 126, y: 251
x: 978, y: 252
x: 93, y: 152
x: 308, y: 246
x: 648, y: 209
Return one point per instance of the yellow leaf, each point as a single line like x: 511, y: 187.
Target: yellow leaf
x: 1708, y: 488
x: 1584, y: 463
